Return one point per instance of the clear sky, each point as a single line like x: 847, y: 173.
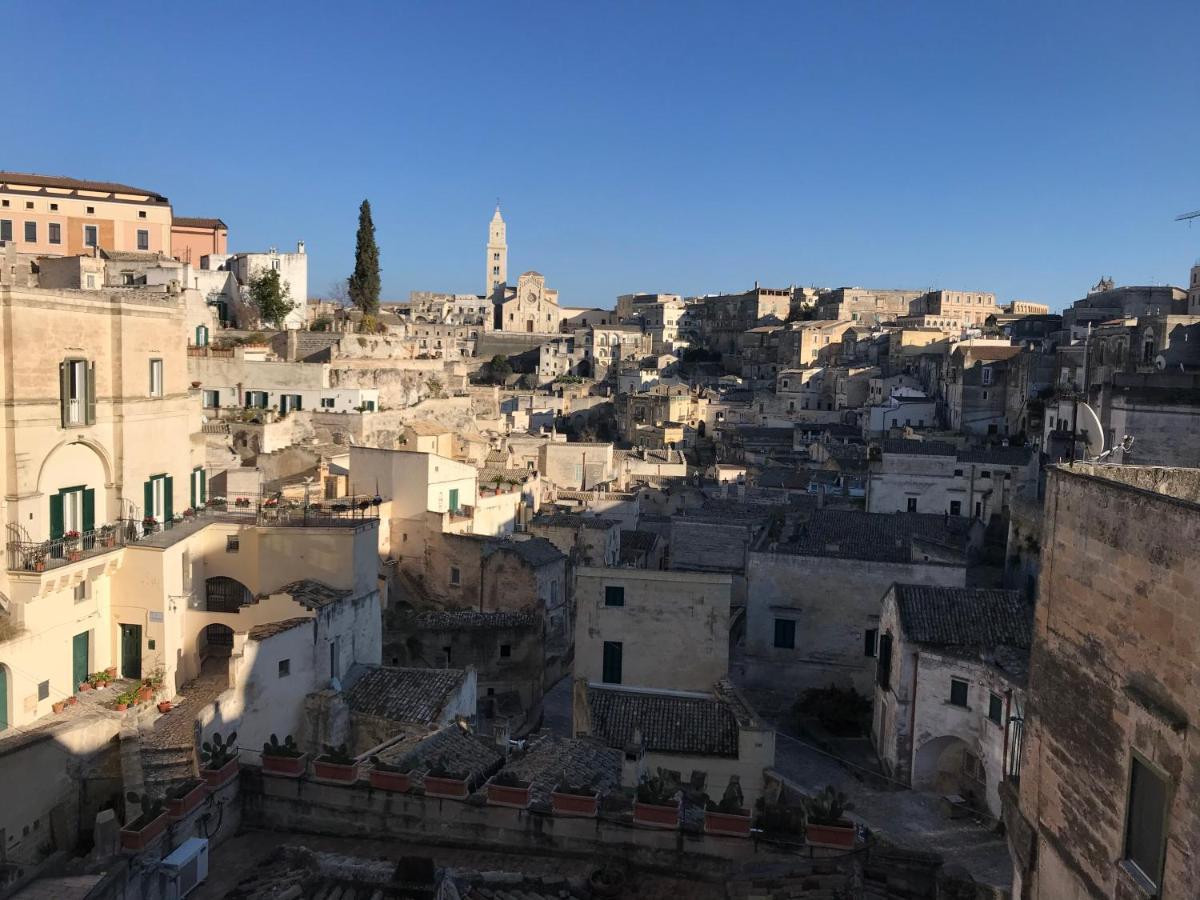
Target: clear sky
x: 1023, y: 148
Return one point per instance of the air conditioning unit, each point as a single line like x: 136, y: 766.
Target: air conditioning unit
x: 185, y: 868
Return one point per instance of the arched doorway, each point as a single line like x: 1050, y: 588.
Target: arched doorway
x: 215, y: 642
x: 223, y: 594
x: 947, y: 765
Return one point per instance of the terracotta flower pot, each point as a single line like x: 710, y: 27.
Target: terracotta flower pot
x: 72, y: 700
x: 396, y: 782
x: 339, y: 772
x: 839, y: 837
x: 446, y: 788
x: 285, y: 766
x: 178, y: 807
x: 218, y: 778
x: 121, y: 707
x: 574, y: 805
x: 732, y: 824
x: 112, y: 671
x: 516, y: 797
x: 59, y: 705
x: 138, y: 835
x: 85, y: 686
x: 655, y: 816
x: 145, y: 694
x: 164, y: 706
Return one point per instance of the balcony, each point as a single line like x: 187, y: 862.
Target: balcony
x: 43, y: 556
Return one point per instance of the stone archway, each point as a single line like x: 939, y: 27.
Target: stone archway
x: 948, y: 765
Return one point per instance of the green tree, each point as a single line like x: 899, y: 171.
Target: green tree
x: 271, y: 296
x: 364, y: 283
x: 499, y: 368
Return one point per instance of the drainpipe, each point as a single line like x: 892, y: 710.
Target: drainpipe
x: 912, y: 721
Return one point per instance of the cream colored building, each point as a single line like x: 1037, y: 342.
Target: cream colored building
x: 531, y: 307
x: 972, y: 308
x: 627, y: 618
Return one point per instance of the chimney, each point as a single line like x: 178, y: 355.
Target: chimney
x: 300, y: 247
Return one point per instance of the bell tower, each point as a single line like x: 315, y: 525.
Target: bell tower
x: 497, y: 254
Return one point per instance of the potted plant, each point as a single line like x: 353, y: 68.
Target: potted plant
x: 729, y: 816
x: 58, y: 706
x: 505, y: 788
x: 72, y: 700
x: 164, y: 706
x: 126, y: 699
x: 336, y: 764
x: 141, y: 832
x: 827, y: 825
x: 285, y: 760
x: 71, y: 545
x: 35, y: 559
x: 144, y: 693
x: 570, y: 799
x: 386, y: 776
x: 219, y: 760
x: 657, y: 803
x: 111, y: 672
x: 442, y: 781
x: 107, y: 536
x: 85, y: 686
x: 185, y: 797
x: 189, y: 513
x: 149, y: 524
x: 100, y: 680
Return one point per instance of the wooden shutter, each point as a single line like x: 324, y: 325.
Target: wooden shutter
x: 91, y: 394
x: 64, y: 392
x: 89, y: 510
x: 56, y: 516
x: 168, y: 498
x: 148, y: 497
x: 203, y: 498
x: 192, y: 485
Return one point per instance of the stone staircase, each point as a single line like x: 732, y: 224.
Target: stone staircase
x: 165, y: 767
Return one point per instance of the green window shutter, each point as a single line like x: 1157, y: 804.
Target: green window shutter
x: 168, y: 498
x: 148, y: 494
x: 203, y: 486
x: 64, y: 391
x: 91, y: 394
x: 56, y: 516
x: 192, y: 485
x: 89, y: 510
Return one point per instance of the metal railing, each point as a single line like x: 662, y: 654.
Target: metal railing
x: 41, y: 556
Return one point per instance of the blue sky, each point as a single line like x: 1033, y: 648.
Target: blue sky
x: 1024, y: 148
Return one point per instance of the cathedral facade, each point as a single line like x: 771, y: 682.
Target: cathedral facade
x: 530, y: 307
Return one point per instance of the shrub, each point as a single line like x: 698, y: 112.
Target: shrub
x: 216, y: 753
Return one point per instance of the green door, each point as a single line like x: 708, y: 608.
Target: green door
x: 131, y: 651
x: 453, y: 499
x: 80, y: 646
x: 3, y: 698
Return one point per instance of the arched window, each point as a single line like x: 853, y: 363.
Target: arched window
x: 223, y: 594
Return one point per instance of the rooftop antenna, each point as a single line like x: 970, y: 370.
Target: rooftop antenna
x: 1194, y: 214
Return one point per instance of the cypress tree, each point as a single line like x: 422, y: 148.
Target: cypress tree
x: 364, y: 283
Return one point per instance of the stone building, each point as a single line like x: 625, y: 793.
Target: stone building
x: 1105, y: 802
x: 626, y: 617
x: 812, y: 595
x: 586, y: 540
x: 723, y: 318
x: 293, y: 272
x: 976, y: 388
x: 971, y: 308
x: 865, y: 306
x: 497, y: 255
x: 949, y: 691
x: 530, y: 308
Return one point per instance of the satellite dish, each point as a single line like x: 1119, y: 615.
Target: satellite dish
x: 1091, y: 431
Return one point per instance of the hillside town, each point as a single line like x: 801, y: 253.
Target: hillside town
x: 800, y: 591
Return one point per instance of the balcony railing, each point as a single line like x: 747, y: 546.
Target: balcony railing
x: 41, y: 556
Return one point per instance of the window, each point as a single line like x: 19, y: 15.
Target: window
x: 1145, y: 822
x: 156, y: 378
x: 986, y: 473
x: 90, y: 281
x: 91, y: 210
x: 55, y: 233
x: 77, y: 392
x: 53, y: 207
x: 986, y: 376
x: 996, y: 708
x: 505, y: 651
x: 958, y: 473
x: 31, y: 232
x: 495, y: 257
x: 201, y: 335
x: 614, y: 595
x: 4, y: 203
x: 44, y: 690
x: 612, y: 662
x: 81, y: 592
x: 335, y: 658
x: 143, y: 239
x: 958, y: 692
x: 29, y: 204
x: 91, y: 235
x: 956, y: 507
x: 5, y: 229
x: 495, y: 270
x: 912, y: 504
x: 785, y: 634
x: 870, y: 641
x: 455, y: 575
x: 327, y: 402
x: 141, y: 214
x: 985, y: 395
x: 452, y: 504
x: 446, y: 651
x: 211, y: 399
x: 285, y: 668
x: 232, y: 543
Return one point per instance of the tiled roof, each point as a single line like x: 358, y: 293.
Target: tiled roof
x: 964, y: 617
x: 998, y: 456
x: 567, y: 520
x: 987, y: 352
x: 426, y: 427
x: 919, y: 448
x: 147, y: 256
x: 583, y: 760
x: 637, y: 541
x: 447, y: 619
x: 535, y: 551
x: 312, y: 594
x: 270, y: 629
x: 403, y: 695
x: 75, y: 184
x: 792, y: 479
x: 461, y: 750
x: 669, y: 723
x: 192, y: 222
x: 882, y: 537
